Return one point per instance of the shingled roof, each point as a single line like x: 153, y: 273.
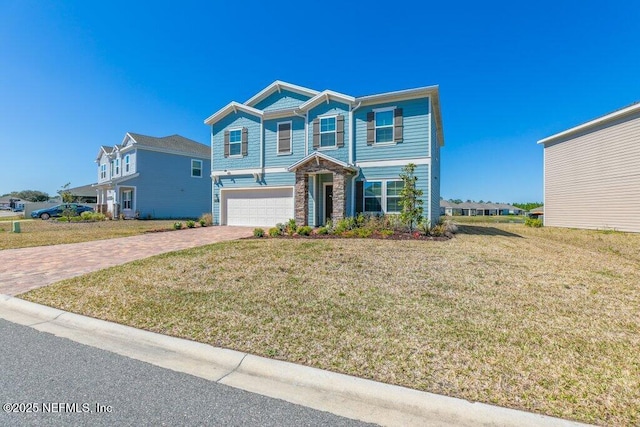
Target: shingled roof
x: 173, y: 143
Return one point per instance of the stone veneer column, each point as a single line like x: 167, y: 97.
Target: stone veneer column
x: 339, y: 200
x: 301, y: 198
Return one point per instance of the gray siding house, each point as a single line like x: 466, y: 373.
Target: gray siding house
x: 592, y: 173
x: 148, y: 177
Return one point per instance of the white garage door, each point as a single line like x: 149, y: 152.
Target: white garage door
x: 260, y: 207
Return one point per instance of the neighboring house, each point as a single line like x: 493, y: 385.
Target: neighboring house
x: 477, y: 209
x: 12, y: 203
x: 592, y: 173
x: 147, y: 177
x: 293, y: 152
x: 536, y: 212
x: 83, y: 194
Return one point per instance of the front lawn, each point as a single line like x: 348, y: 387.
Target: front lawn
x: 52, y: 232
x: 545, y: 320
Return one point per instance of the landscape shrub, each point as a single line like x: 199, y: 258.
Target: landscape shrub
x: 258, y: 232
x: 533, y: 222
x: 282, y: 228
x: 191, y: 224
x: 274, y: 232
x: 322, y: 231
x: 305, y: 230
x: 93, y: 216
x: 206, y: 220
x: 177, y: 225
x: 291, y: 227
x: 450, y: 226
x: 438, y: 230
x: 386, y: 233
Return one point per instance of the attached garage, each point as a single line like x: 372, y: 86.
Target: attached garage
x: 256, y: 207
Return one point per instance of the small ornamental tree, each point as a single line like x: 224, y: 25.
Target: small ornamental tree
x: 410, y: 200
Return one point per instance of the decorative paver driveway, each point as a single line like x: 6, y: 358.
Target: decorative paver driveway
x: 28, y: 268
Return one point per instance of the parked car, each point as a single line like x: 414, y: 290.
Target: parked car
x: 59, y: 209
x: 5, y: 208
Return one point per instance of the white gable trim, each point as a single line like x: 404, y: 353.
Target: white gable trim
x: 325, y: 96
x: 278, y: 86
x: 228, y: 109
x: 317, y: 155
x: 609, y: 117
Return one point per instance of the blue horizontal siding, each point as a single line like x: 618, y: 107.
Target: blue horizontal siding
x: 330, y: 109
x: 416, y: 132
x: 281, y: 100
x: 236, y: 120
x: 165, y: 188
x: 271, y: 158
x: 435, y: 174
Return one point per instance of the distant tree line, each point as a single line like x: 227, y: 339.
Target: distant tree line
x: 524, y: 206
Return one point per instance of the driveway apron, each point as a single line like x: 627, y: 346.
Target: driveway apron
x: 29, y: 268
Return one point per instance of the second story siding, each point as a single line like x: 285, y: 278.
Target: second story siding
x: 236, y: 121
x: 326, y: 110
x: 281, y: 100
x: 271, y: 156
x: 416, y: 141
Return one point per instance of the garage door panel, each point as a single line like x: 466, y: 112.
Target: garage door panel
x: 259, y: 207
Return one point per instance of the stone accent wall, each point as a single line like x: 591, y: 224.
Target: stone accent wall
x: 301, y: 198
x: 340, y: 176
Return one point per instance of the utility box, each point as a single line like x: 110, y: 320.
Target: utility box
x: 16, y: 227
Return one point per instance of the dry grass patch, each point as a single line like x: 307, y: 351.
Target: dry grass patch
x: 529, y: 319
x: 44, y: 233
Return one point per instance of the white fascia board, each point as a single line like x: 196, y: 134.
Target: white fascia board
x: 612, y: 116
x: 232, y: 106
x: 324, y: 96
x: 397, y: 162
x: 279, y: 114
x: 231, y: 172
x: 398, y: 95
x: 277, y: 86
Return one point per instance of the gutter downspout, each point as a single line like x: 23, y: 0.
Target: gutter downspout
x: 352, y: 142
x: 262, y: 146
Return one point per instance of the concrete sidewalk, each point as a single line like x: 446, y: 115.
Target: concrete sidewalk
x: 339, y: 394
x: 28, y: 268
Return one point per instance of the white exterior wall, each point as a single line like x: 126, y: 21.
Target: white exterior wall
x: 592, y: 178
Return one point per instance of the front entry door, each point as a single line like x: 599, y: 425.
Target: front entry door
x: 328, y: 202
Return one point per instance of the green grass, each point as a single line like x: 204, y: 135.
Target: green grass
x: 544, y: 320
x: 44, y: 233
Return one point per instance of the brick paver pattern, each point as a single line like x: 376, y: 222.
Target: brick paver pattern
x: 29, y: 268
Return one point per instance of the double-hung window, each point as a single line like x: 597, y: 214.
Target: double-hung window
x: 382, y: 196
x: 384, y: 126
x: 117, y: 162
x: 103, y: 171
x: 126, y: 199
x: 196, y: 168
x: 284, y: 138
x: 235, y: 142
x: 327, y: 132
x: 127, y: 163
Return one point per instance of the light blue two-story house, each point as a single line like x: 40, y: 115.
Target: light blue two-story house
x: 147, y: 177
x: 293, y: 152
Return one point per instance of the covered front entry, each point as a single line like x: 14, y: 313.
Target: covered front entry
x: 336, y: 176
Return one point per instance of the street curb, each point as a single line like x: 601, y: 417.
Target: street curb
x: 340, y: 394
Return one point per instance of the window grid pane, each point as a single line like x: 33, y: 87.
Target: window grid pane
x: 394, y: 188
x: 384, y: 118
x: 384, y: 134
x: 235, y: 149
x: 393, y: 204
x: 235, y: 136
x: 373, y: 189
x: 327, y: 139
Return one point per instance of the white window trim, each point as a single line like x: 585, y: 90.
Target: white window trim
x: 335, y: 133
x: 124, y: 200
x: 201, y: 168
x: 103, y: 171
x: 127, y: 163
x: 284, y: 153
x: 375, y: 127
x: 117, y: 161
x: 235, y: 156
x: 383, y: 201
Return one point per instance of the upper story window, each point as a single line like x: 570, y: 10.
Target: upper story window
x: 327, y: 132
x: 196, y: 168
x: 384, y: 126
x: 127, y: 163
x: 103, y: 171
x: 236, y: 142
x: 117, y: 163
x: 284, y: 138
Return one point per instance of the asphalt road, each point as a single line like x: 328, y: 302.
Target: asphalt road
x: 65, y: 383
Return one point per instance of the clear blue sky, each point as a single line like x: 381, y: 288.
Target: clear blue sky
x: 75, y: 75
